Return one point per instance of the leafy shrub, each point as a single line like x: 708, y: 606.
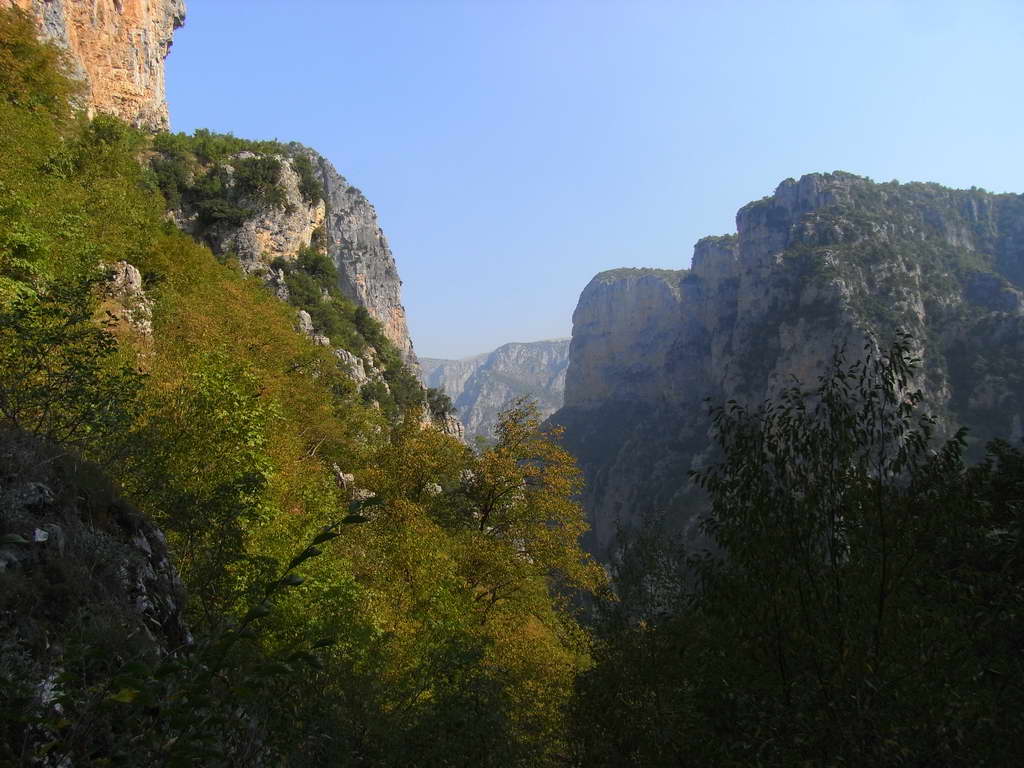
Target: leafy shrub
x: 836, y: 621
x: 310, y: 188
x: 60, y: 374
x: 439, y: 402
x: 32, y: 75
x: 172, y: 177
x: 319, y: 266
x: 256, y: 178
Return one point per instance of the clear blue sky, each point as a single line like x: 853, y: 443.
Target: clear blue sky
x: 514, y: 148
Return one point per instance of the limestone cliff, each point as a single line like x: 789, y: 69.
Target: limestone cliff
x: 482, y: 386
x: 366, y: 266
x: 117, y: 47
x: 271, y: 227
x: 819, y: 263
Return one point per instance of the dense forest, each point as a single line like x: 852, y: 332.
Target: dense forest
x: 361, y: 590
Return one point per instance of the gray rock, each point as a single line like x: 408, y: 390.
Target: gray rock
x: 482, y: 386
x: 353, y: 365
x: 124, y: 285
x: 367, y: 272
x: 366, y: 267
x: 819, y: 263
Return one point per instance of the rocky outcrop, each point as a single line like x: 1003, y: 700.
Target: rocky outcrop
x: 450, y: 375
x: 343, y: 222
x: 273, y: 231
x: 86, y: 584
x: 366, y: 266
x: 818, y: 264
x: 117, y: 47
x: 129, y: 304
x: 482, y: 386
x: 623, y: 326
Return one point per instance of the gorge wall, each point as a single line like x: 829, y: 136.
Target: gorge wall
x: 339, y: 219
x: 818, y: 264
x: 366, y: 266
x: 117, y: 48
x: 482, y: 386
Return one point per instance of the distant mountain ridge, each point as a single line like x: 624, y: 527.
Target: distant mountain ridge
x: 483, y: 385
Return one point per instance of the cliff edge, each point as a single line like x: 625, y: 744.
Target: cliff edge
x: 117, y: 48
x: 821, y: 263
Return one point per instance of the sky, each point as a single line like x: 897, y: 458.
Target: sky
x: 515, y: 148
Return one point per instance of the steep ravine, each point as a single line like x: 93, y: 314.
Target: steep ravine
x: 819, y: 263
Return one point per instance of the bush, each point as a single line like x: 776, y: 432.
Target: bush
x: 33, y: 75
x: 60, y: 375
x: 256, y: 179
x: 319, y: 266
x: 310, y: 188
x: 838, y: 618
x: 439, y: 403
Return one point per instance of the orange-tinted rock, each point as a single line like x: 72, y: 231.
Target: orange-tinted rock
x: 118, y: 48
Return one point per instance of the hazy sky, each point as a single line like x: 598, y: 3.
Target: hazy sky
x: 515, y: 148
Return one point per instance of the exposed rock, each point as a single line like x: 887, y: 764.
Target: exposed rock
x: 482, y: 386
x: 451, y: 426
x: 366, y: 267
x: 133, y: 306
x: 623, y: 326
x: 118, y: 49
x: 367, y: 273
x: 66, y: 510
x: 85, y: 579
x: 353, y: 365
x: 447, y: 424
x: 305, y: 322
x: 818, y: 264
x: 273, y: 231
x: 450, y: 375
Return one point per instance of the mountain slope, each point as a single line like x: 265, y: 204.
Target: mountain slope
x: 816, y: 265
x: 482, y: 386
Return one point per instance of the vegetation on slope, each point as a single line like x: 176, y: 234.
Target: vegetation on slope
x: 204, y: 175
x: 415, y: 613
x: 862, y: 606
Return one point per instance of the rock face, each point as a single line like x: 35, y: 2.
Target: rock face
x: 273, y: 231
x: 117, y: 48
x: 346, y: 221
x: 482, y: 386
x: 133, y: 306
x: 366, y: 267
x: 818, y: 264
x: 83, y: 576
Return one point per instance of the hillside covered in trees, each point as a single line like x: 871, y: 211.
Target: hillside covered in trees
x: 216, y: 550
x: 356, y: 588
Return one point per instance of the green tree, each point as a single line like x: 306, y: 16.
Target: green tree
x: 32, y: 74
x: 61, y: 375
x: 839, y: 617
